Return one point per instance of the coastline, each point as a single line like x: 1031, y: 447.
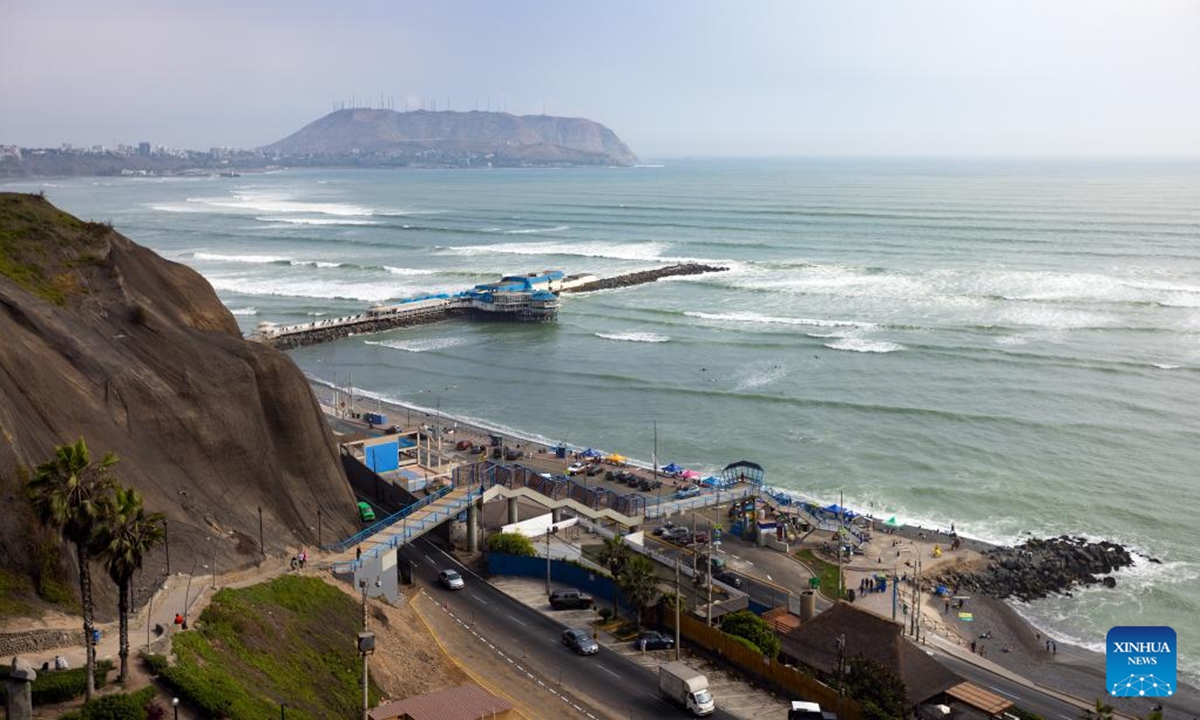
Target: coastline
x: 1072, y: 669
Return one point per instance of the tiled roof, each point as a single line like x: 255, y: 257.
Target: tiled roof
x: 466, y: 702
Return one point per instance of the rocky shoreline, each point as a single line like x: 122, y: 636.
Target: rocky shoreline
x: 646, y: 276
x: 1039, y: 567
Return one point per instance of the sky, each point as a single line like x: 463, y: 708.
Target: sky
x: 673, y: 78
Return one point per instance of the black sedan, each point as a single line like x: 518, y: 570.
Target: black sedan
x: 651, y: 640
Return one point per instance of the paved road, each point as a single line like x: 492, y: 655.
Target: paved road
x: 1048, y: 707
x: 626, y: 689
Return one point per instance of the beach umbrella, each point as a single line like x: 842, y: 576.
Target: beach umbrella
x: 689, y: 474
x: 892, y: 523
x: 590, y: 453
x: 672, y: 468
x: 615, y: 458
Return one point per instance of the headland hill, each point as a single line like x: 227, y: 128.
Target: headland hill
x: 354, y: 137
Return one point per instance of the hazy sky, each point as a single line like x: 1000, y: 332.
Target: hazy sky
x: 960, y: 77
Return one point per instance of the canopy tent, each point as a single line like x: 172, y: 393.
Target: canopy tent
x: 672, y: 468
x: 616, y: 458
x: 716, y: 482
x: 689, y: 474
x: 590, y: 453
x: 841, y: 511
x: 893, y: 523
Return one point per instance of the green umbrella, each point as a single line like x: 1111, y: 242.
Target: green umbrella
x: 891, y: 522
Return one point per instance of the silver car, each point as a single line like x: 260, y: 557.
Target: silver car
x: 450, y: 579
x: 580, y: 641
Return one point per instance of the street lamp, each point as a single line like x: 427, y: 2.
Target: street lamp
x: 167, y: 544
x: 548, y: 529
x: 366, y: 645
x: 175, y: 704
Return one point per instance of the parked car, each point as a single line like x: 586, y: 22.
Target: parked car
x: 575, y: 468
x: 688, y: 492
x: 729, y: 579
x: 648, y: 484
x: 676, y: 534
x: 651, y: 640
x: 594, y: 469
x: 662, y: 529
x: 513, y: 454
x: 612, y: 474
x: 450, y: 579
x: 570, y: 600
x: 462, y: 445
x: 365, y: 513
x: 579, y: 641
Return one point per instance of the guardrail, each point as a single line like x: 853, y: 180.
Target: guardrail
x: 671, y: 507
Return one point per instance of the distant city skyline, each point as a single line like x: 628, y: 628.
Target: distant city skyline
x: 671, y: 78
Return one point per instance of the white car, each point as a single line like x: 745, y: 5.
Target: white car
x: 450, y: 579
x: 576, y: 468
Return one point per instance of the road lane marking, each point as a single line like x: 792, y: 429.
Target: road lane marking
x: 610, y: 672
x: 518, y: 621
x: 478, y: 599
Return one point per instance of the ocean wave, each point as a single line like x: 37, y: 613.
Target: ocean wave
x: 316, y: 221
x: 629, y: 251
x: 758, y: 375
x: 408, y: 271
x: 244, y: 311
x: 534, y: 231
x: 745, y: 317
x: 254, y: 259
x: 419, y: 345
x: 864, y: 345
x: 277, y: 203
x: 1164, y: 366
x: 643, y: 337
x: 313, y: 288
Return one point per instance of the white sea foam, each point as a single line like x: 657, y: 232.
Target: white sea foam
x: 629, y: 251
x: 1164, y: 366
x: 644, y: 337
x: 254, y: 259
x: 276, y: 203
x: 313, y: 288
x: 744, y: 317
x: 759, y: 374
x: 244, y: 311
x: 316, y: 221
x: 419, y: 345
x: 534, y: 231
x: 408, y: 271
x: 864, y: 345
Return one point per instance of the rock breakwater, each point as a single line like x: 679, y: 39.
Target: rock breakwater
x: 647, y: 276
x: 1040, y: 567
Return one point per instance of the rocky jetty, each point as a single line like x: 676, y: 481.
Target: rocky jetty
x: 647, y: 276
x: 1039, y: 567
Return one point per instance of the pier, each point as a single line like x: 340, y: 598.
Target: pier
x: 532, y: 297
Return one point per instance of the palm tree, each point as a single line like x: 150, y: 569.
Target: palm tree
x: 1101, y: 711
x: 127, y: 535
x: 70, y: 494
x: 613, y: 556
x: 640, y: 584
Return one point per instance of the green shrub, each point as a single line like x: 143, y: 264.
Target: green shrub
x: 121, y: 706
x: 753, y: 628
x: 606, y: 613
x: 510, y: 544
x: 56, y: 686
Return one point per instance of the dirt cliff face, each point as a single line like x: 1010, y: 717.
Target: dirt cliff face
x: 102, y: 339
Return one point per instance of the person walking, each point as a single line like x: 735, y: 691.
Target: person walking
x: 1047, y: 644
x: 1053, y: 647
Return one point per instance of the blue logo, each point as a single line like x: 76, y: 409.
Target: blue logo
x: 1140, y: 661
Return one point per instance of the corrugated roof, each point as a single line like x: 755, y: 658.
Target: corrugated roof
x: 979, y: 698
x: 466, y: 702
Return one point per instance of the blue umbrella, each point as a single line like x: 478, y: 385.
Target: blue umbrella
x: 672, y: 468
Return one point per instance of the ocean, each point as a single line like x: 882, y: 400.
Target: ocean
x: 1011, y: 346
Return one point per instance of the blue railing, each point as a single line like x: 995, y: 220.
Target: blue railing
x: 411, y: 530
x: 386, y: 522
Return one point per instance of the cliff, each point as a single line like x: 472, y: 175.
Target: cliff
x: 452, y: 137
x: 104, y: 340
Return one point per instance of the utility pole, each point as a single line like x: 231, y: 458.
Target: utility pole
x: 262, y: 548
x: 678, y: 602
x: 841, y: 670
x: 708, y: 574
x: 548, y: 561
x: 841, y: 527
